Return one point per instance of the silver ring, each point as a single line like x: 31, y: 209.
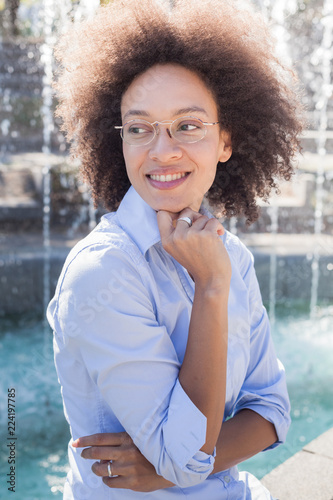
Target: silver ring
x: 109, y: 469
x: 187, y: 220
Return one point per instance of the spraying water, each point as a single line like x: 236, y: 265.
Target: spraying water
x: 52, y: 12
x: 326, y: 56
x: 47, y: 117
x: 277, y: 17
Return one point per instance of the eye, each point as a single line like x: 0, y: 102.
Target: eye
x: 189, y: 126
x: 138, y: 129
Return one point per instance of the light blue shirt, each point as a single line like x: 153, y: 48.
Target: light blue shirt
x: 120, y: 317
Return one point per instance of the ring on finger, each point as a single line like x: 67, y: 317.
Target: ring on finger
x: 187, y: 220
x: 110, y: 469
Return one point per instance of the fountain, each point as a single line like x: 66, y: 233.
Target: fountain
x: 40, y: 194
x: 326, y: 56
x: 282, y: 17
x: 47, y: 117
x: 52, y: 144
x: 278, y: 13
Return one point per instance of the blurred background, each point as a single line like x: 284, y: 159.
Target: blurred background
x: 45, y: 209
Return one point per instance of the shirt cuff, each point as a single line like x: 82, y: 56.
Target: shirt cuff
x: 185, y: 433
x: 280, y: 421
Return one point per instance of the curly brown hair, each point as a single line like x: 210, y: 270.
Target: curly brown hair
x: 229, y: 47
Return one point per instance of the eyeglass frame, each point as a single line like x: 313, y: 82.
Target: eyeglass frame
x: 164, y: 122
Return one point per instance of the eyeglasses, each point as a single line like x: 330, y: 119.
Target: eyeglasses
x: 186, y: 129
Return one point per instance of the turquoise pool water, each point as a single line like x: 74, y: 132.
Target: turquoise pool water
x: 303, y: 345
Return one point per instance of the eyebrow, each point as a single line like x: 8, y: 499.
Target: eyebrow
x: 197, y: 109
x: 182, y: 111
x: 135, y: 112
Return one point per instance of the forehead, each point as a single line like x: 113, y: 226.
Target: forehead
x: 166, y: 89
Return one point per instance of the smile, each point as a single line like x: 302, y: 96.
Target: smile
x: 167, y: 178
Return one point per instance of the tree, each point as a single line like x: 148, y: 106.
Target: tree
x: 11, y: 8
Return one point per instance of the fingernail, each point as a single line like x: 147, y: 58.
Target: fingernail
x: 75, y: 443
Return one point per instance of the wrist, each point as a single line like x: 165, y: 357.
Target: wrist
x: 213, y: 287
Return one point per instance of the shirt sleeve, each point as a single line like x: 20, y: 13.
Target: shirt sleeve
x: 105, y: 314
x: 264, y: 389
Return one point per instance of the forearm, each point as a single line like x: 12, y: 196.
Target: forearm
x: 241, y: 437
x: 203, y: 372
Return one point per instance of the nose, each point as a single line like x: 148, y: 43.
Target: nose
x: 164, y: 147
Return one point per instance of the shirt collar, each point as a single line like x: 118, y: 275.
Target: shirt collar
x: 139, y: 220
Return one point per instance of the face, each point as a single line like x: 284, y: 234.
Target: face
x: 164, y: 93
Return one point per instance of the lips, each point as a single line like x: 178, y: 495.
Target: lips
x: 167, y: 178
x: 167, y: 181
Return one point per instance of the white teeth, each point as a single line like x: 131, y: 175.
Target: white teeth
x: 167, y: 178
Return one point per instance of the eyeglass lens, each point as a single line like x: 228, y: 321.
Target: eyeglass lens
x: 184, y: 129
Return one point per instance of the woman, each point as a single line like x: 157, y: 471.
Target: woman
x: 162, y: 345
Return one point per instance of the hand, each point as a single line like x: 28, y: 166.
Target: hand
x: 198, y: 248
x: 132, y: 469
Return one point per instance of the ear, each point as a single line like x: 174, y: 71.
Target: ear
x: 225, y: 146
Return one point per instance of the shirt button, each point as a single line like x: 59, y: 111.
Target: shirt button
x: 227, y: 479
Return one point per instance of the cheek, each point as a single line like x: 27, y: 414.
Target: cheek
x: 207, y: 159
x: 208, y: 170
x: 132, y: 159
x: 126, y: 154
x: 209, y: 178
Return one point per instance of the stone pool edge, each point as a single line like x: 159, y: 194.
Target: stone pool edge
x: 22, y: 263
x: 307, y: 475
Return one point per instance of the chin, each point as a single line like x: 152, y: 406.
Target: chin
x: 172, y: 204
x: 169, y: 207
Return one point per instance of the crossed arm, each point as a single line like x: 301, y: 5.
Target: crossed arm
x: 241, y: 437
x: 247, y: 432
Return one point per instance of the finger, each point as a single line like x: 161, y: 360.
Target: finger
x: 117, y: 482
x: 200, y: 223
x: 183, y: 226
x: 101, y: 439
x: 168, y: 220
x: 102, y: 453
x: 215, y: 226
x: 211, y: 224
x: 165, y: 223
x: 188, y: 212
x: 101, y: 468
